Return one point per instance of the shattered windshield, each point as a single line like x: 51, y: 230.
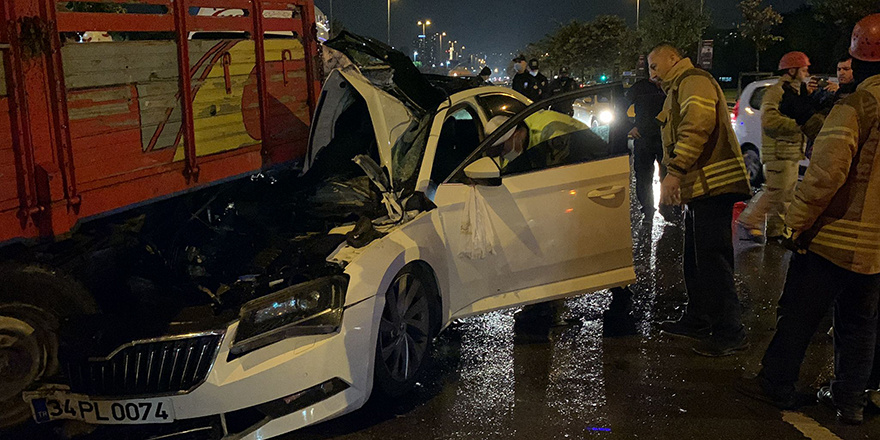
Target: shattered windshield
x: 408, y: 152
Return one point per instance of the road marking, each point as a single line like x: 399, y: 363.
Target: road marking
x: 807, y: 426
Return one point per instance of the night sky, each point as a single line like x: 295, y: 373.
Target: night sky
x: 496, y: 26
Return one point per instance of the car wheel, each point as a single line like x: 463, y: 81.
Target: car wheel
x: 33, y: 301
x: 406, y: 332
x: 752, y: 159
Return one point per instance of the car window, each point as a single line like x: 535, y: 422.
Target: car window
x: 540, y: 139
x: 500, y: 105
x: 757, y: 98
x: 459, y: 137
x: 462, y: 115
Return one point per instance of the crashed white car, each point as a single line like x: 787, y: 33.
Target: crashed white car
x: 342, y: 309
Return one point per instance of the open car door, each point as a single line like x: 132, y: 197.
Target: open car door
x: 559, y: 213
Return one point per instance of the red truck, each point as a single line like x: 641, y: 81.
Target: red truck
x: 122, y: 122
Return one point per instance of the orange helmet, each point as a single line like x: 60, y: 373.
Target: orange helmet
x: 794, y: 60
x: 866, y: 39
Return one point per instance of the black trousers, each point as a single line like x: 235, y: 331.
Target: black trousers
x: 708, y: 266
x: 812, y: 286
x: 646, y: 151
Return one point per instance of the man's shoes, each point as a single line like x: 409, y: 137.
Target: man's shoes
x: 847, y: 415
x: 685, y: 329
x: 757, y: 388
x: 720, y: 347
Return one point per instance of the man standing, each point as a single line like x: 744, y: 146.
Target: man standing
x: 707, y: 174
x: 536, y: 83
x: 563, y: 84
x: 783, y: 146
x: 521, y: 77
x: 834, y: 224
x: 647, y: 97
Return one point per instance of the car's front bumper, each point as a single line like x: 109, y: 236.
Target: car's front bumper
x: 275, y: 389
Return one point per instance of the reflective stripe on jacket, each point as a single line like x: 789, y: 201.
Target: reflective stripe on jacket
x: 837, y: 206
x: 782, y: 138
x: 700, y: 146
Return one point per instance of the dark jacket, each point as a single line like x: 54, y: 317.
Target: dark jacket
x: 559, y: 86
x: 534, y: 87
x: 519, y: 82
x: 648, y: 99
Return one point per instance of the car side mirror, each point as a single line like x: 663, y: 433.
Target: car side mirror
x: 484, y: 172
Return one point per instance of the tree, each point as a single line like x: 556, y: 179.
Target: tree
x: 844, y: 13
x: 600, y: 46
x: 756, y: 26
x: 677, y: 22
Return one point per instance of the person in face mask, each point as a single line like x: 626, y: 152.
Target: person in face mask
x: 536, y: 83
x: 521, y: 78
x: 536, y: 129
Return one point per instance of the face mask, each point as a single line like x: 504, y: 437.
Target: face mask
x: 534, y: 73
x: 518, y: 67
x: 513, y: 154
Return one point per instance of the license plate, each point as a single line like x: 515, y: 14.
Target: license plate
x: 59, y: 405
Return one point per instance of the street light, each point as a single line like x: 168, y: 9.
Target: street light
x: 424, y: 24
x: 638, y: 12
x: 441, y: 41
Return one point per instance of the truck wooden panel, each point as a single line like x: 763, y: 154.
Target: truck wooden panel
x: 122, y: 130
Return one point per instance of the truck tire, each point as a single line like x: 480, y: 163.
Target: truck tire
x: 34, y: 300
x: 409, y: 323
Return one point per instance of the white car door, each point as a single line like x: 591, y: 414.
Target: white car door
x: 560, y: 227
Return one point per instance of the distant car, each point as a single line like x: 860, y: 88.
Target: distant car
x: 595, y: 110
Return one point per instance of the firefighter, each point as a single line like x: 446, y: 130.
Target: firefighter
x: 706, y: 173
x: 834, y: 227
x: 783, y: 146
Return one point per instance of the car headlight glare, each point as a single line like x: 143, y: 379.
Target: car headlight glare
x: 310, y: 308
x: 606, y: 117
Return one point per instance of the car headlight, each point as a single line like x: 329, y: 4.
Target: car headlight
x: 311, y: 308
x: 606, y: 117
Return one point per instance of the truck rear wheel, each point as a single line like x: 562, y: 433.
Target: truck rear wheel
x: 33, y: 303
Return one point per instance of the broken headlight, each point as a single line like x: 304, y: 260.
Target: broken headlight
x: 311, y: 308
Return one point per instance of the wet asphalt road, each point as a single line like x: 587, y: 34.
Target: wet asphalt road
x: 485, y: 385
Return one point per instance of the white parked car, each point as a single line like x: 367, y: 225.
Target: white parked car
x: 746, y: 120
x: 354, y: 307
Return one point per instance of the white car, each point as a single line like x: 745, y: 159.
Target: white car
x: 746, y: 120
x: 321, y: 335
x: 595, y: 109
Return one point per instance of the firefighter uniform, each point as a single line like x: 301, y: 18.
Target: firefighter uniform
x: 836, y: 209
x: 701, y: 150
x: 782, y: 149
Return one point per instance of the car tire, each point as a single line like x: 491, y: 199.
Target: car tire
x: 34, y: 301
x: 407, y: 327
x: 754, y: 166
